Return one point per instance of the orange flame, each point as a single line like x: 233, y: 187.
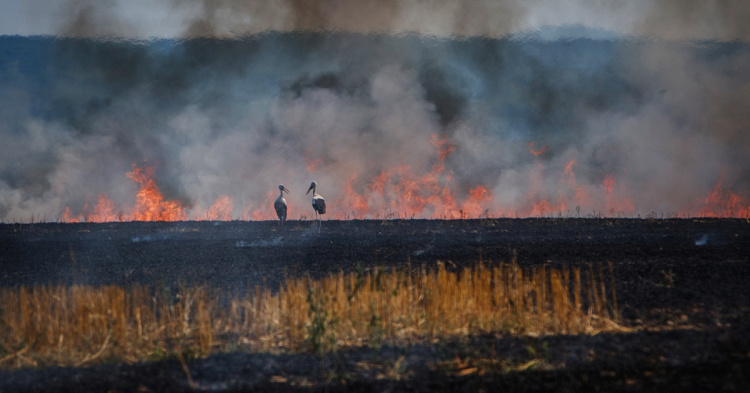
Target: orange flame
x: 570, y: 193
x: 476, y: 205
x: 67, y: 216
x: 537, y: 152
x: 580, y: 194
x: 312, y: 164
x: 401, y: 192
x: 398, y: 192
x: 613, y: 203
x: 221, y: 210
x: 266, y: 210
x: 103, y: 212
x: 150, y: 204
x: 724, y: 203
x: 357, y: 204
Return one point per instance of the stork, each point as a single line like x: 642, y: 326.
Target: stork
x: 280, y: 204
x: 318, y: 203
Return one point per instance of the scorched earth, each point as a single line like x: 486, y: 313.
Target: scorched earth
x: 681, y: 287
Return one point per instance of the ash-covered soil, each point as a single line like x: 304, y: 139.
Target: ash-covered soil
x: 683, y: 289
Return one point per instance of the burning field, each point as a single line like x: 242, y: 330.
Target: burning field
x: 520, y: 194
x: 389, y: 126
x: 430, y: 305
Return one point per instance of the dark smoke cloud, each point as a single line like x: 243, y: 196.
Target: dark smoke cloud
x: 672, y: 19
x: 236, y: 117
x: 233, y: 97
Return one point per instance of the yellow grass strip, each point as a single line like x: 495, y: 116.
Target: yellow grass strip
x: 57, y: 325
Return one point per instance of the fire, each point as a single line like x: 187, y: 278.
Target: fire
x: 312, y: 164
x: 150, y: 204
x: 265, y: 211
x: 538, y: 205
x: 103, y: 211
x: 358, y: 205
x: 221, y: 210
x: 609, y: 184
x: 724, y: 203
x: 571, y: 193
x: 580, y: 194
x: 400, y: 193
x: 543, y: 207
x: 445, y: 148
x: 68, y: 216
x: 537, y: 152
x: 613, y: 202
x: 477, y: 203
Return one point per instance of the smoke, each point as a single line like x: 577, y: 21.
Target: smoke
x: 143, y: 19
x: 508, y: 96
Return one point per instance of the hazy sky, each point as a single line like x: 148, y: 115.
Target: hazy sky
x: 668, y: 19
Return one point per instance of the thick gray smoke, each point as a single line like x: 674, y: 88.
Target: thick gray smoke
x: 549, y: 120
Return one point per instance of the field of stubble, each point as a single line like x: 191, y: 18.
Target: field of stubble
x: 681, y: 287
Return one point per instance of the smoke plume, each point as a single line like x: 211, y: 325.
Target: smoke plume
x: 427, y: 109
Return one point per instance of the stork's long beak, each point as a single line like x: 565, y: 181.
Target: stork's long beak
x: 285, y: 189
x: 308, y: 190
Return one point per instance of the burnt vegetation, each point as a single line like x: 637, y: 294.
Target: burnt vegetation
x: 562, y: 304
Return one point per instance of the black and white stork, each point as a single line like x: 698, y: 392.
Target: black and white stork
x: 280, y: 204
x: 318, y: 203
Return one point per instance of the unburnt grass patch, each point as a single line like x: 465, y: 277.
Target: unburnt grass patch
x: 78, y: 325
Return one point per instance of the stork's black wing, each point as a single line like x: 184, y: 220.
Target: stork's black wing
x: 319, y: 204
x: 280, y: 210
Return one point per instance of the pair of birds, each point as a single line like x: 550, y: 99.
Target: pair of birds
x: 318, y: 203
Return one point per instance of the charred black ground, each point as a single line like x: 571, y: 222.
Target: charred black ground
x: 681, y: 284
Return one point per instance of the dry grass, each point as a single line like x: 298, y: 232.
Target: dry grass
x: 59, y: 325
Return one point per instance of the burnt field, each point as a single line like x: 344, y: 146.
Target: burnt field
x: 681, y: 284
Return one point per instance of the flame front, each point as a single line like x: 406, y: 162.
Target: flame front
x: 150, y: 204
x: 724, y: 203
x: 402, y: 192
x: 103, y: 211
